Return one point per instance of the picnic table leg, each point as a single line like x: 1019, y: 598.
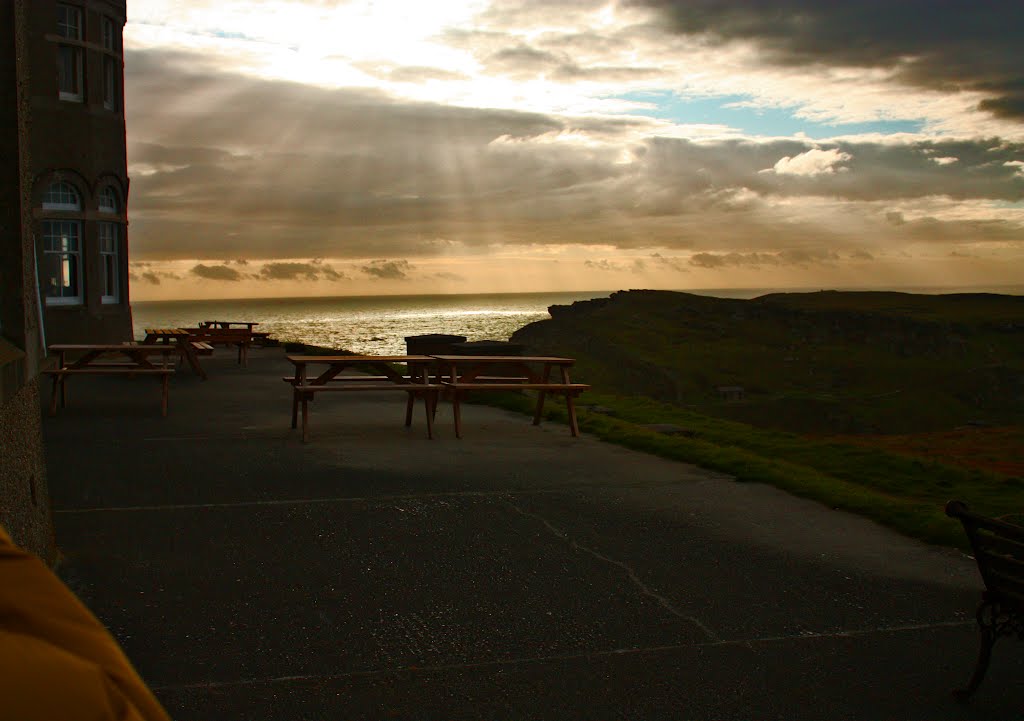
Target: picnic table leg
x: 574, y: 426
x: 408, y: 408
x: 540, y: 396
x: 189, y: 352
x: 295, y: 407
x: 430, y: 416
x: 540, y: 408
x: 457, y: 414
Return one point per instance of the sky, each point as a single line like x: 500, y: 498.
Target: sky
x: 370, y: 147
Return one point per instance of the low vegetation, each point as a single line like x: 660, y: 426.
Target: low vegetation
x: 832, y: 396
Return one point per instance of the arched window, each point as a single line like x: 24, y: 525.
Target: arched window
x: 110, y: 246
x: 108, y: 200
x: 62, y: 247
x: 61, y: 196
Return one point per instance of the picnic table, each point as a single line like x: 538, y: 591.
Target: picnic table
x: 186, y: 346
x: 459, y: 374
x: 242, y: 338
x: 416, y: 382
x: 247, y: 324
x: 130, y: 359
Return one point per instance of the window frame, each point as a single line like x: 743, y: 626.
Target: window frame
x: 70, y: 53
x: 62, y: 204
x: 54, y: 228
x: 111, y: 58
x: 108, y: 234
x: 110, y: 261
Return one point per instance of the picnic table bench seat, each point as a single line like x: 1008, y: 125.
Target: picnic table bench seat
x: 998, y: 548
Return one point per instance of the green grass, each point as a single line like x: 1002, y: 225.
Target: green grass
x: 905, y: 493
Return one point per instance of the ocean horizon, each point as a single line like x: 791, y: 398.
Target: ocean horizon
x: 378, y: 325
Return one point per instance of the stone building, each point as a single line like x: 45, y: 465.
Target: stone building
x: 63, y: 220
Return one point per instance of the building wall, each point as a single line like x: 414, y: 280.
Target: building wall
x: 24, y: 500
x: 83, y: 144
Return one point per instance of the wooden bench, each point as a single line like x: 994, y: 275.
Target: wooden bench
x: 60, y: 376
x: 303, y: 394
x: 569, y: 390
x: 998, y: 549
x: 201, y: 347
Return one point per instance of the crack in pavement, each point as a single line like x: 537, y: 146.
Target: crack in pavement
x: 630, y: 573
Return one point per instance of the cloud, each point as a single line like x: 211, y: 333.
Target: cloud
x: 448, y: 275
x: 941, y: 45
x: 216, y: 272
x: 312, y: 271
x: 813, y: 162
x: 603, y: 265
x: 945, y: 160
x: 676, y: 264
x: 801, y: 257
x: 355, y: 174
x: 387, y: 269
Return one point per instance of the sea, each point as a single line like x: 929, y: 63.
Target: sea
x: 378, y: 325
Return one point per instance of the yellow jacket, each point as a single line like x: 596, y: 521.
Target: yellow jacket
x: 57, y: 662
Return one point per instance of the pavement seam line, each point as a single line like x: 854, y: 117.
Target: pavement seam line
x: 522, y: 661
x: 630, y: 573
x: 306, y: 501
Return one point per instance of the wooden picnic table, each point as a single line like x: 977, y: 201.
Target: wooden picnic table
x: 247, y: 324
x: 417, y: 382
x: 184, y: 343
x: 461, y: 374
x: 130, y: 359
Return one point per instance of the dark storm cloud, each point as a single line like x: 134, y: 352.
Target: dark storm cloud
x: 216, y: 272
x: 946, y: 45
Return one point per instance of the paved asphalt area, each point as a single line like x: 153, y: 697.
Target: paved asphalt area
x: 516, y: 574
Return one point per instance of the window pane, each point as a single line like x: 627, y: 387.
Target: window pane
x: 108, y: 34
x: 69, y: 22
x: 61, y: 196
x: 109, y: 84
x: 108, y: 237
x: 69, y: 72
x: 108, y: 200
x: 110, y: 276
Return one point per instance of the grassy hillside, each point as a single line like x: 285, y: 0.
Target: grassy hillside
x: 813, y: 363
x: 829, y: 380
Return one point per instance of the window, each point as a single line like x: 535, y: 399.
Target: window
x: 62, y: 248
x: 109, y: 261
x: 70, y: 72
x: 61, y: 196
x: 62, y: 262
x: 111, y: 62
x: 108, y: 200
x: 110, y: 243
